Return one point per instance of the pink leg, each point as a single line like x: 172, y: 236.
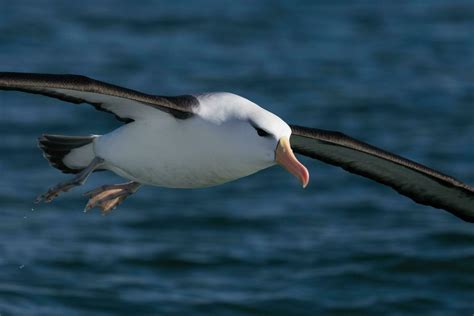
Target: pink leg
x: 108, y: 197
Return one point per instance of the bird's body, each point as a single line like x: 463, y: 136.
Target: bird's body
x: 162, y: 151
x: 195, y: 141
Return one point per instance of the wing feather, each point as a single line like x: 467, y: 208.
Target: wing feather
x: 126, y: 104
x: 420, y: 183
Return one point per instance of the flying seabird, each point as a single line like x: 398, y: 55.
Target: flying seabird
x: 196, y: 141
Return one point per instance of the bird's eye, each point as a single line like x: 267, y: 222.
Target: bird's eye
x: 262, y: 132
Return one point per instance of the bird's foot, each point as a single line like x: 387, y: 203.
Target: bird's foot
x: 108, y: 197
x: 78, y: 179
x: 53, y: 192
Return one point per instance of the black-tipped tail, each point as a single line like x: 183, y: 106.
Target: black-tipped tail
x: 56, y: 147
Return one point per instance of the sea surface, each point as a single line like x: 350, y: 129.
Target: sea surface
x: 397, y: 74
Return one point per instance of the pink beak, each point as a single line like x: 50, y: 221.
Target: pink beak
x: 286, y: 158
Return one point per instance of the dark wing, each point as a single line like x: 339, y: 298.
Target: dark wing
x: 126, y: 104
x: 420, y: 183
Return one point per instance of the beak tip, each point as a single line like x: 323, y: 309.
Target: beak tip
x: 305, y: 180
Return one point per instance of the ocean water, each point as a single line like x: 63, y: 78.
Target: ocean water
x: 397, y: 74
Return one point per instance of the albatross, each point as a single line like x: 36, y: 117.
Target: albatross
x: 196, y: 141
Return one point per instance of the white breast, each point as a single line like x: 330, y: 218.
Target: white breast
x: 174, y: 153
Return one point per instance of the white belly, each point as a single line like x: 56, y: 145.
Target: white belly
x: 176, y: 153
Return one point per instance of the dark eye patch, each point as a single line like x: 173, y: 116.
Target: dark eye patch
x: 262, y: 132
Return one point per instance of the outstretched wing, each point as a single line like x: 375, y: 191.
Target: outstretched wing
x: 126, y: 104
x: 420, y: 183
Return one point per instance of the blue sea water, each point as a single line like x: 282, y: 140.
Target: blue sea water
x: 397, y: 74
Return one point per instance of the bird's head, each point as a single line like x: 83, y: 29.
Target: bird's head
x: 257, y: 136
x: 273, y: 136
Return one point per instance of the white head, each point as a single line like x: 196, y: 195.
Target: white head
x: 254, y: 136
